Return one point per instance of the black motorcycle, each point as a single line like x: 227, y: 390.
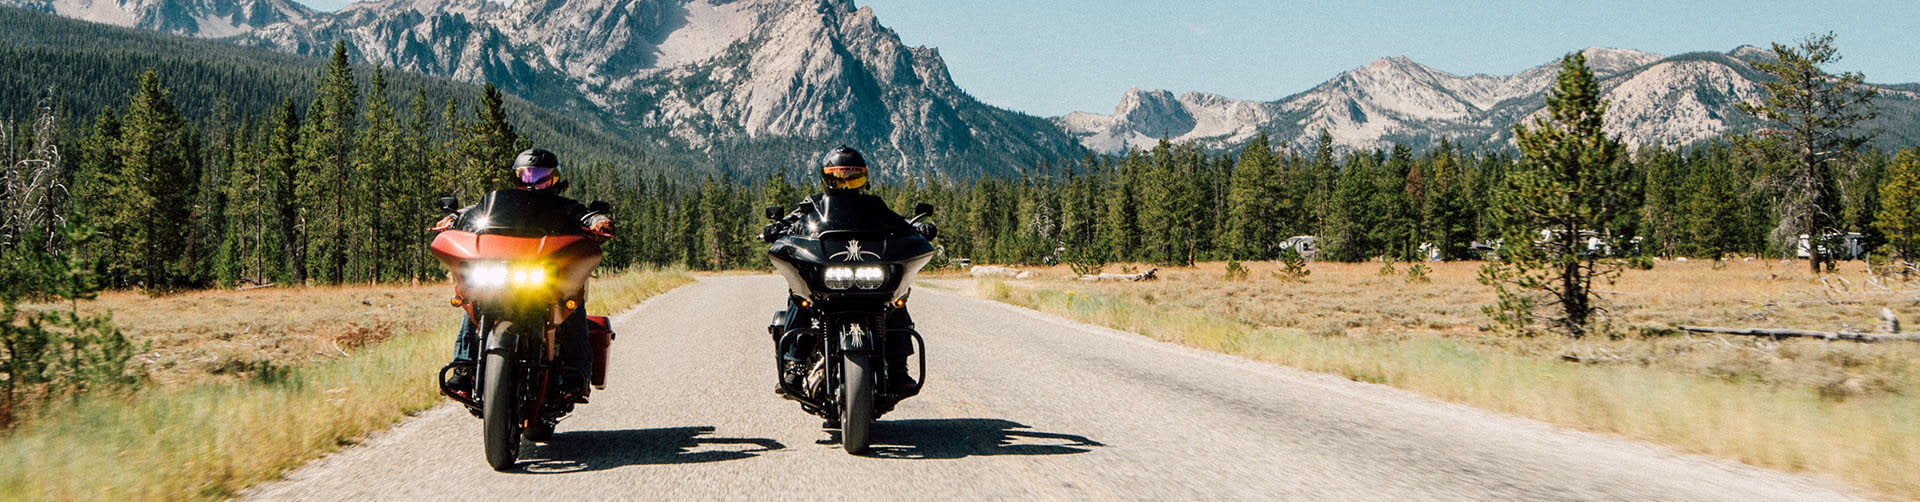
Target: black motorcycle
x: 851, y: 270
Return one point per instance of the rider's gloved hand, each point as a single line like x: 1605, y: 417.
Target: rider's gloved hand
x: 443, y: 224
x: 926, y: 230
x: 602, y: 229
x: 772, y: 231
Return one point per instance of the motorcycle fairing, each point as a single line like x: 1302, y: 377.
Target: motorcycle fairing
x: 574, y: 257
x: 798, y: 259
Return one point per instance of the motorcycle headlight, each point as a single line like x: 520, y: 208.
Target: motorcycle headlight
x: 869, y: 276
x: 838, y: 277
x: 529, y: 275
x: 494, y: 274
x: 487, y: 274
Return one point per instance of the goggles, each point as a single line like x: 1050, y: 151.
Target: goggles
x: 536, y: 177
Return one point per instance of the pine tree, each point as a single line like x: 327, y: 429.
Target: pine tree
x: 250, y: 242
x: 94, y: 191
x: 1344, y: 234
x: 371, y: 201
x: 1316, y: 188
x: 1445, y: 214
x: 326, y: 162
x: 148, y: 202
x: 1390, y: 228
x: 1122, y: 225
x: 1711, y: 207
x: 1811, y: 111
x: 205, y: 255
x: 1899, y: 216
x: 1252, y: 200
x: 418, y: 185
x: 281, y: 176
x: 489, y: 146
x: 1563, y: 194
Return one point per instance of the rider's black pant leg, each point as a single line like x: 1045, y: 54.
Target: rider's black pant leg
x: 899, y: 344
x: 576, y: 347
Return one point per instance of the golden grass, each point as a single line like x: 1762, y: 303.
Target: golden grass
x: 210, y: 440
x: 1844, y: 410
x: 219, y: 335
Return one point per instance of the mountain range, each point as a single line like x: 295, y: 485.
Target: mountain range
x: 719, y: 77
x: 1654, y: 100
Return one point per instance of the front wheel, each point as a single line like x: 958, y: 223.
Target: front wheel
x: 856, y: 417
x: 500, y: 406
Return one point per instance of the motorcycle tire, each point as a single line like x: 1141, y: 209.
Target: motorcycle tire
x: 500, y: 411
x: 856, y: 417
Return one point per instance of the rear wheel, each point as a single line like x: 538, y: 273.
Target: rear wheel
x: 500, y: 407
x: 856, y: 416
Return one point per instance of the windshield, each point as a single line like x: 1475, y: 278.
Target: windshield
x: 518, y: 213
x: 853, y: 215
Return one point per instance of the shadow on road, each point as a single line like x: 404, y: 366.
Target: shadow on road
x: 950, y: 438
x: 580, y: 451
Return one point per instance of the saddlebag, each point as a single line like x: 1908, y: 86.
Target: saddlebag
x: 601, y: 333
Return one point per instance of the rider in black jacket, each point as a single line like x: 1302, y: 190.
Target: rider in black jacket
x: 843, y: 174
x: 535, y: 205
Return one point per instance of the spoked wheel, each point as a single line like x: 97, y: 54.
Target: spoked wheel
x: 500, y: 411
x: 856, y: 416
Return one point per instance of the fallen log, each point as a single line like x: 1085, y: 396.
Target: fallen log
x: 992, y: 271
x: 1148, y: 275
x: 1802, y: 333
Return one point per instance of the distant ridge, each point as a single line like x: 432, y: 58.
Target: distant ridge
x: 1655, y: 100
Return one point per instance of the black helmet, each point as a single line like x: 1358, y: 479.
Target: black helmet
x: 536, y: 169
x: 843, y: 169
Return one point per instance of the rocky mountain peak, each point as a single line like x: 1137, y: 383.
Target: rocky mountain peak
x: 1607, y: 61
x: 1656, y: 100
x: 198, y: 18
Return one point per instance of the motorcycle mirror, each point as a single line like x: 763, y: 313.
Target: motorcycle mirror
x: 600, y: 206
x: 923, y: 209
x: 775, y: 212
x: 449, y: 204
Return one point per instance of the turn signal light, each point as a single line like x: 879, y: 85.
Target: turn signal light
x: 456, y: 301
x: 806, y: 303
x: 899, y: 302
x: 572, y: 304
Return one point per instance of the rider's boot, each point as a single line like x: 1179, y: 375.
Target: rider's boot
x: 461, y: 378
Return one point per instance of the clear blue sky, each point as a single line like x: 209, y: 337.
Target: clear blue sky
x: 1051, y: 57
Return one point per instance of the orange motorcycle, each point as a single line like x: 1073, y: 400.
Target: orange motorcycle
x: 520, y: 273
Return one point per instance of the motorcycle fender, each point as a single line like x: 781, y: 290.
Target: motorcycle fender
x: 501, y: 342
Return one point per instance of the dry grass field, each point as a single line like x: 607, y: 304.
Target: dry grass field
x: 222, y: 335
x: 1843, y: 409
x: 345, y: 361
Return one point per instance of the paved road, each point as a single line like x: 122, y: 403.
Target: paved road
x: 1021, y: 405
